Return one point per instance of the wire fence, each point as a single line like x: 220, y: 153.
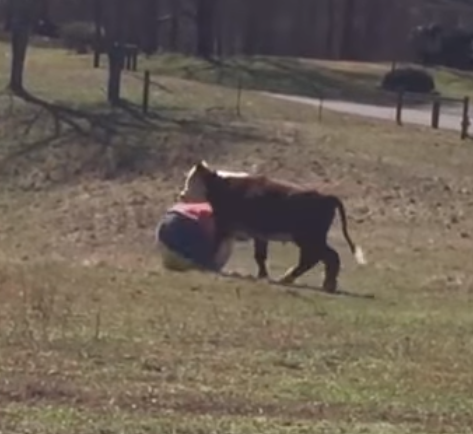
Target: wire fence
x: 432, y: 110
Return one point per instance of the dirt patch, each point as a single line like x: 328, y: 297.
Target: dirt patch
x: 56, y: 392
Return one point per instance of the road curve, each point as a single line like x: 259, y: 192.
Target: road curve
x: 450, y: 115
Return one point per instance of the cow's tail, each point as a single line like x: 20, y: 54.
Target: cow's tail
x: 356, y: 250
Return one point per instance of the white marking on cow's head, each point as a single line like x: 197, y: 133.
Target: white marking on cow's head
x: 194, y: 188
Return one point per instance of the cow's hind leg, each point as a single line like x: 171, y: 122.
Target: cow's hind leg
x: 308, y: 258
x: 261, y: 255
x: 331, y: 259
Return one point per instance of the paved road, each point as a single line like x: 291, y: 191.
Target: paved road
x: 450, y: 116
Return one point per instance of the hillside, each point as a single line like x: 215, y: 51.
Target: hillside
x: 352, y: 81
x: 96, y: 337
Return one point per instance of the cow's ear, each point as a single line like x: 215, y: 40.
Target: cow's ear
x: 203, y: 167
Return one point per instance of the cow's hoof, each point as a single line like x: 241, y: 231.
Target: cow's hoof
x: 285, y: 280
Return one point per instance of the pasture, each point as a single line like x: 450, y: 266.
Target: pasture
x: 95, y: 337
x: 352, y: 81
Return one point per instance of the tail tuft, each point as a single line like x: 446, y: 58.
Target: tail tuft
x: 360, y: 256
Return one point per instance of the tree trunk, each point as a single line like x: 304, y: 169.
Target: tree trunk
x: 205, y: 16
x: 115, y: 67
x: 151, y: 26
x: 98, y: 40
x: 115, y: 48
x: 175, y: 25
x: 21, y: 18
x: 19, y: 45
x: 332, y: 22
x: 251, y: 39
x: 347, y: 30
x: 7, y: 22
x: 218, y: 45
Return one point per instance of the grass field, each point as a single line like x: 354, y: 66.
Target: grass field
x: 355, y: 81
x: 96, y: 338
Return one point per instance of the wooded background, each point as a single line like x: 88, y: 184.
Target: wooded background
x: 371, y: 30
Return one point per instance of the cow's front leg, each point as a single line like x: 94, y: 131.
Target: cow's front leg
x: 261, y: 255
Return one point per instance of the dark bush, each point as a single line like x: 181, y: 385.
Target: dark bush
x: 408, y: 80
x: 78, y: 36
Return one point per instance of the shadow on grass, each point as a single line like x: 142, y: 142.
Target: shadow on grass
x: 288, y: 76
x: 296, y: 289
x: 116, y: 141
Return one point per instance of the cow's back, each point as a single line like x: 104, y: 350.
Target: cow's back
x: 261, y: 206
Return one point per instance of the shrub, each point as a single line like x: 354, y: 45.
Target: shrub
x: 408, y: 80
x: 78, y: 36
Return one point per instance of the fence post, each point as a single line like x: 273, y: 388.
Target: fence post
x: 239, y: 92
x: 134, y: 61
x: 97, y: 57
x: 399, y: 104
x: 146, y: 86
x: 436, y: 112
x: 465, y: 118
x: 128, y: 59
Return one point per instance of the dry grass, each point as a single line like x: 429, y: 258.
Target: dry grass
x: 95, y: 337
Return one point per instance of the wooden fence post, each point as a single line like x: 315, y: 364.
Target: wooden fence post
x: 399, y: 104
x: 436, y: 103
x: 146, y: 87
x: 134, y: 61
x: 239, y: 92
x: 97, y: 57
x: 465, y: 118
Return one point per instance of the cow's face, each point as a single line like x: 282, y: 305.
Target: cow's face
x: 194, y: 187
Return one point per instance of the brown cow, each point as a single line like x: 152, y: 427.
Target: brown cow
x: 270, y: 210
x: 192, y: 193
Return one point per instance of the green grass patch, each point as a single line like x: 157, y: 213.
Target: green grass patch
x: 353, y: 81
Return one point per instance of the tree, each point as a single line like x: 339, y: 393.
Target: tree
x: 347, y: 30
x: 174, y: 28
x: 205, y: 18
x: 98, y: 37
x: 331, y: 16
x: 115, y: 41
x: 150, y: 11
x: 252, y: 29
x: 21, y: 15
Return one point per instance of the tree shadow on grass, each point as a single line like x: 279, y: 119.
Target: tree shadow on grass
x: 136, y: 143
x: 301, y: 78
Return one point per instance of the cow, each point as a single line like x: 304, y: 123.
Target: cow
x: 267, y: 209
x: 260, y: 246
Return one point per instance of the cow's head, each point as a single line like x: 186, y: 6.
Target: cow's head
x: 195, y: 184
x: 195, y: 189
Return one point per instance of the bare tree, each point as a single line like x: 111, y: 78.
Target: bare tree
x: 150, y: 31
x: 98, y: 37
x: 205, y: 18
x: 251, y: 31
x: 114, y: 40
x: 21, y: 15
x: 175, y: 27
x: 331, y: 17
x: 347, y: 30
